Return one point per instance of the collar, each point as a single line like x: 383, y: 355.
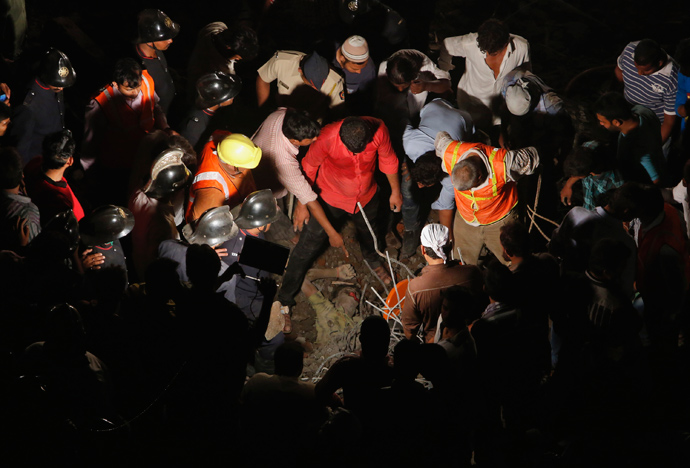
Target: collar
x: 39, y: 84
x: 141, y: 53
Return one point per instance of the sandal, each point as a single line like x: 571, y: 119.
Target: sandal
x: 383, y: 275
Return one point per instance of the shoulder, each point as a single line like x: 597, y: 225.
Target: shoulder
x: 288, y: 56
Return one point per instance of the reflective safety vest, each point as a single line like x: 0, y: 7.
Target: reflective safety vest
x: 126, y: 127
x: 493, y: 201
x: 210, y: 174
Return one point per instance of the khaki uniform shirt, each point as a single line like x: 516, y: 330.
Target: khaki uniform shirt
x: 284, y: 67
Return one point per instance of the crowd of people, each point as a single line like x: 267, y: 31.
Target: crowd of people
x: 145, y: 230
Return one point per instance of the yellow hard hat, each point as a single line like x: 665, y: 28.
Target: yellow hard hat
x: 238, y: 150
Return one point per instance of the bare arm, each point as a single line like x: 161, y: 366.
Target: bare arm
x: 396, y: 197
x: 434, y: 86
x: 205, y: 199
x: 619, y: 73
x: 667, y: 127
x: 263, y: 91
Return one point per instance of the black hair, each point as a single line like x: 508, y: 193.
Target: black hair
x: 203, y: 265
x: 406, y: 360
x: 515, y: 239
x: 499, y: 282
x: 58, y: 147
x: 403, y: 68
x: 356, y: 133
x: 649, y: 52
x: 462, y: 307
x: 427, y: 169
x: 492, y: 36
x: 127, y: 70
x: 613, y: 106
x: 238, y: 40
x: 594, y: 157
x: 375, y: 336
x: 10, y: 168
x: 651, y: 204
x: 289, y: 359
x: 624, y: 201
x: 466, y: 172
x: 298, y: 125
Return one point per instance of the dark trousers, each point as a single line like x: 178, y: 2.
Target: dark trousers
x: 313, y: 238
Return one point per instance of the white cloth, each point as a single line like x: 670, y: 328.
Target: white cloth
x: 435, y: 237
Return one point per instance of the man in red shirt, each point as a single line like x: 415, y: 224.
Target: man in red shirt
x: 45, y: 181
x: 341, y: 162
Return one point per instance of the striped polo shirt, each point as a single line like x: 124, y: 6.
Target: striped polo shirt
x: 656, y: 91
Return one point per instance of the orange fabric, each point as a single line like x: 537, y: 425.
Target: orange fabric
x: 492, y: 202
x: 210, y: 174
x: 126, y: 127
x: 669, y: 232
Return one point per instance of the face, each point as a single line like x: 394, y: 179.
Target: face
x: 161, y: 45
x: 607, y: 124
x: 128, y: 91
x: 306, y: 81
x: 355, y: 67
x: 644, y: 70
x: 306, y: 141
x: 401, y: 87
x: 55, y: 89
x: 227, y: 103
x: 3, y: 126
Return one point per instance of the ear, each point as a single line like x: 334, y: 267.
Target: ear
x: 70, y: 161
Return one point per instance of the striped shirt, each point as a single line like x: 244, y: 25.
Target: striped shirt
x: 279, y: 168
x: 656, y: 91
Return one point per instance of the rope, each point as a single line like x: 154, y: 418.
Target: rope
x: 536, y: 202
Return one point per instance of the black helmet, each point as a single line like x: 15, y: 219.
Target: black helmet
x: 56, y: 69
x: 67, y: 227
x: 215, y: 88
x: 349, y: 10
x: 214, y: 227
x: 106, y: 224
x: 154, y: 25
x: 258, y: 209
x: 168, y: 174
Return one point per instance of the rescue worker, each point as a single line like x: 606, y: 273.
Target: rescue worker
x: 156, y: 33
x: 224, y: 174
x: 117, y: 119
x: 156, y: 206
x: 101, y: 232
x: 213, y: 91
x: 43, y: 109
x: 484, y: 179
x: 297, y: 74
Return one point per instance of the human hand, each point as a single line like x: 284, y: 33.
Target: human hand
x: 300, y: 217
x: 336, y: 240
x: 91, y: 261
x: 6, y: 91
x: 221, y: 252
x: 396, y: 201
x: 567, y: 194
x: 417, y: 86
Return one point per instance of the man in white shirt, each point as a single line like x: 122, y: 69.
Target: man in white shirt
x: 490, y: 54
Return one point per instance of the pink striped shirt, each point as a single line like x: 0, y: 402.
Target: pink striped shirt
x: 279, y: 169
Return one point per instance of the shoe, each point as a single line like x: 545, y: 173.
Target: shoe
x: 383, y: 275
x: 287, y: 328
x: 409, y: 244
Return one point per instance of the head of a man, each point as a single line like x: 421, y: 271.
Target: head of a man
x: 353, y: 55
x: 237, y: 43
x: 435, y: 243
x: 493, y: 36
x: 299, y: 127
x: 427, y: 170
x: 11, y: 168
x: 613, y: 111
x: 156, y: 29
x: 470, y: 172
x: 402, y: 69
x: 682, y: 56
x: 58, y: 150
x: 314, y: 70
x: 127, y: 77
x: 649, y: 57
x: 356, y: 134
x: 515, y: 240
